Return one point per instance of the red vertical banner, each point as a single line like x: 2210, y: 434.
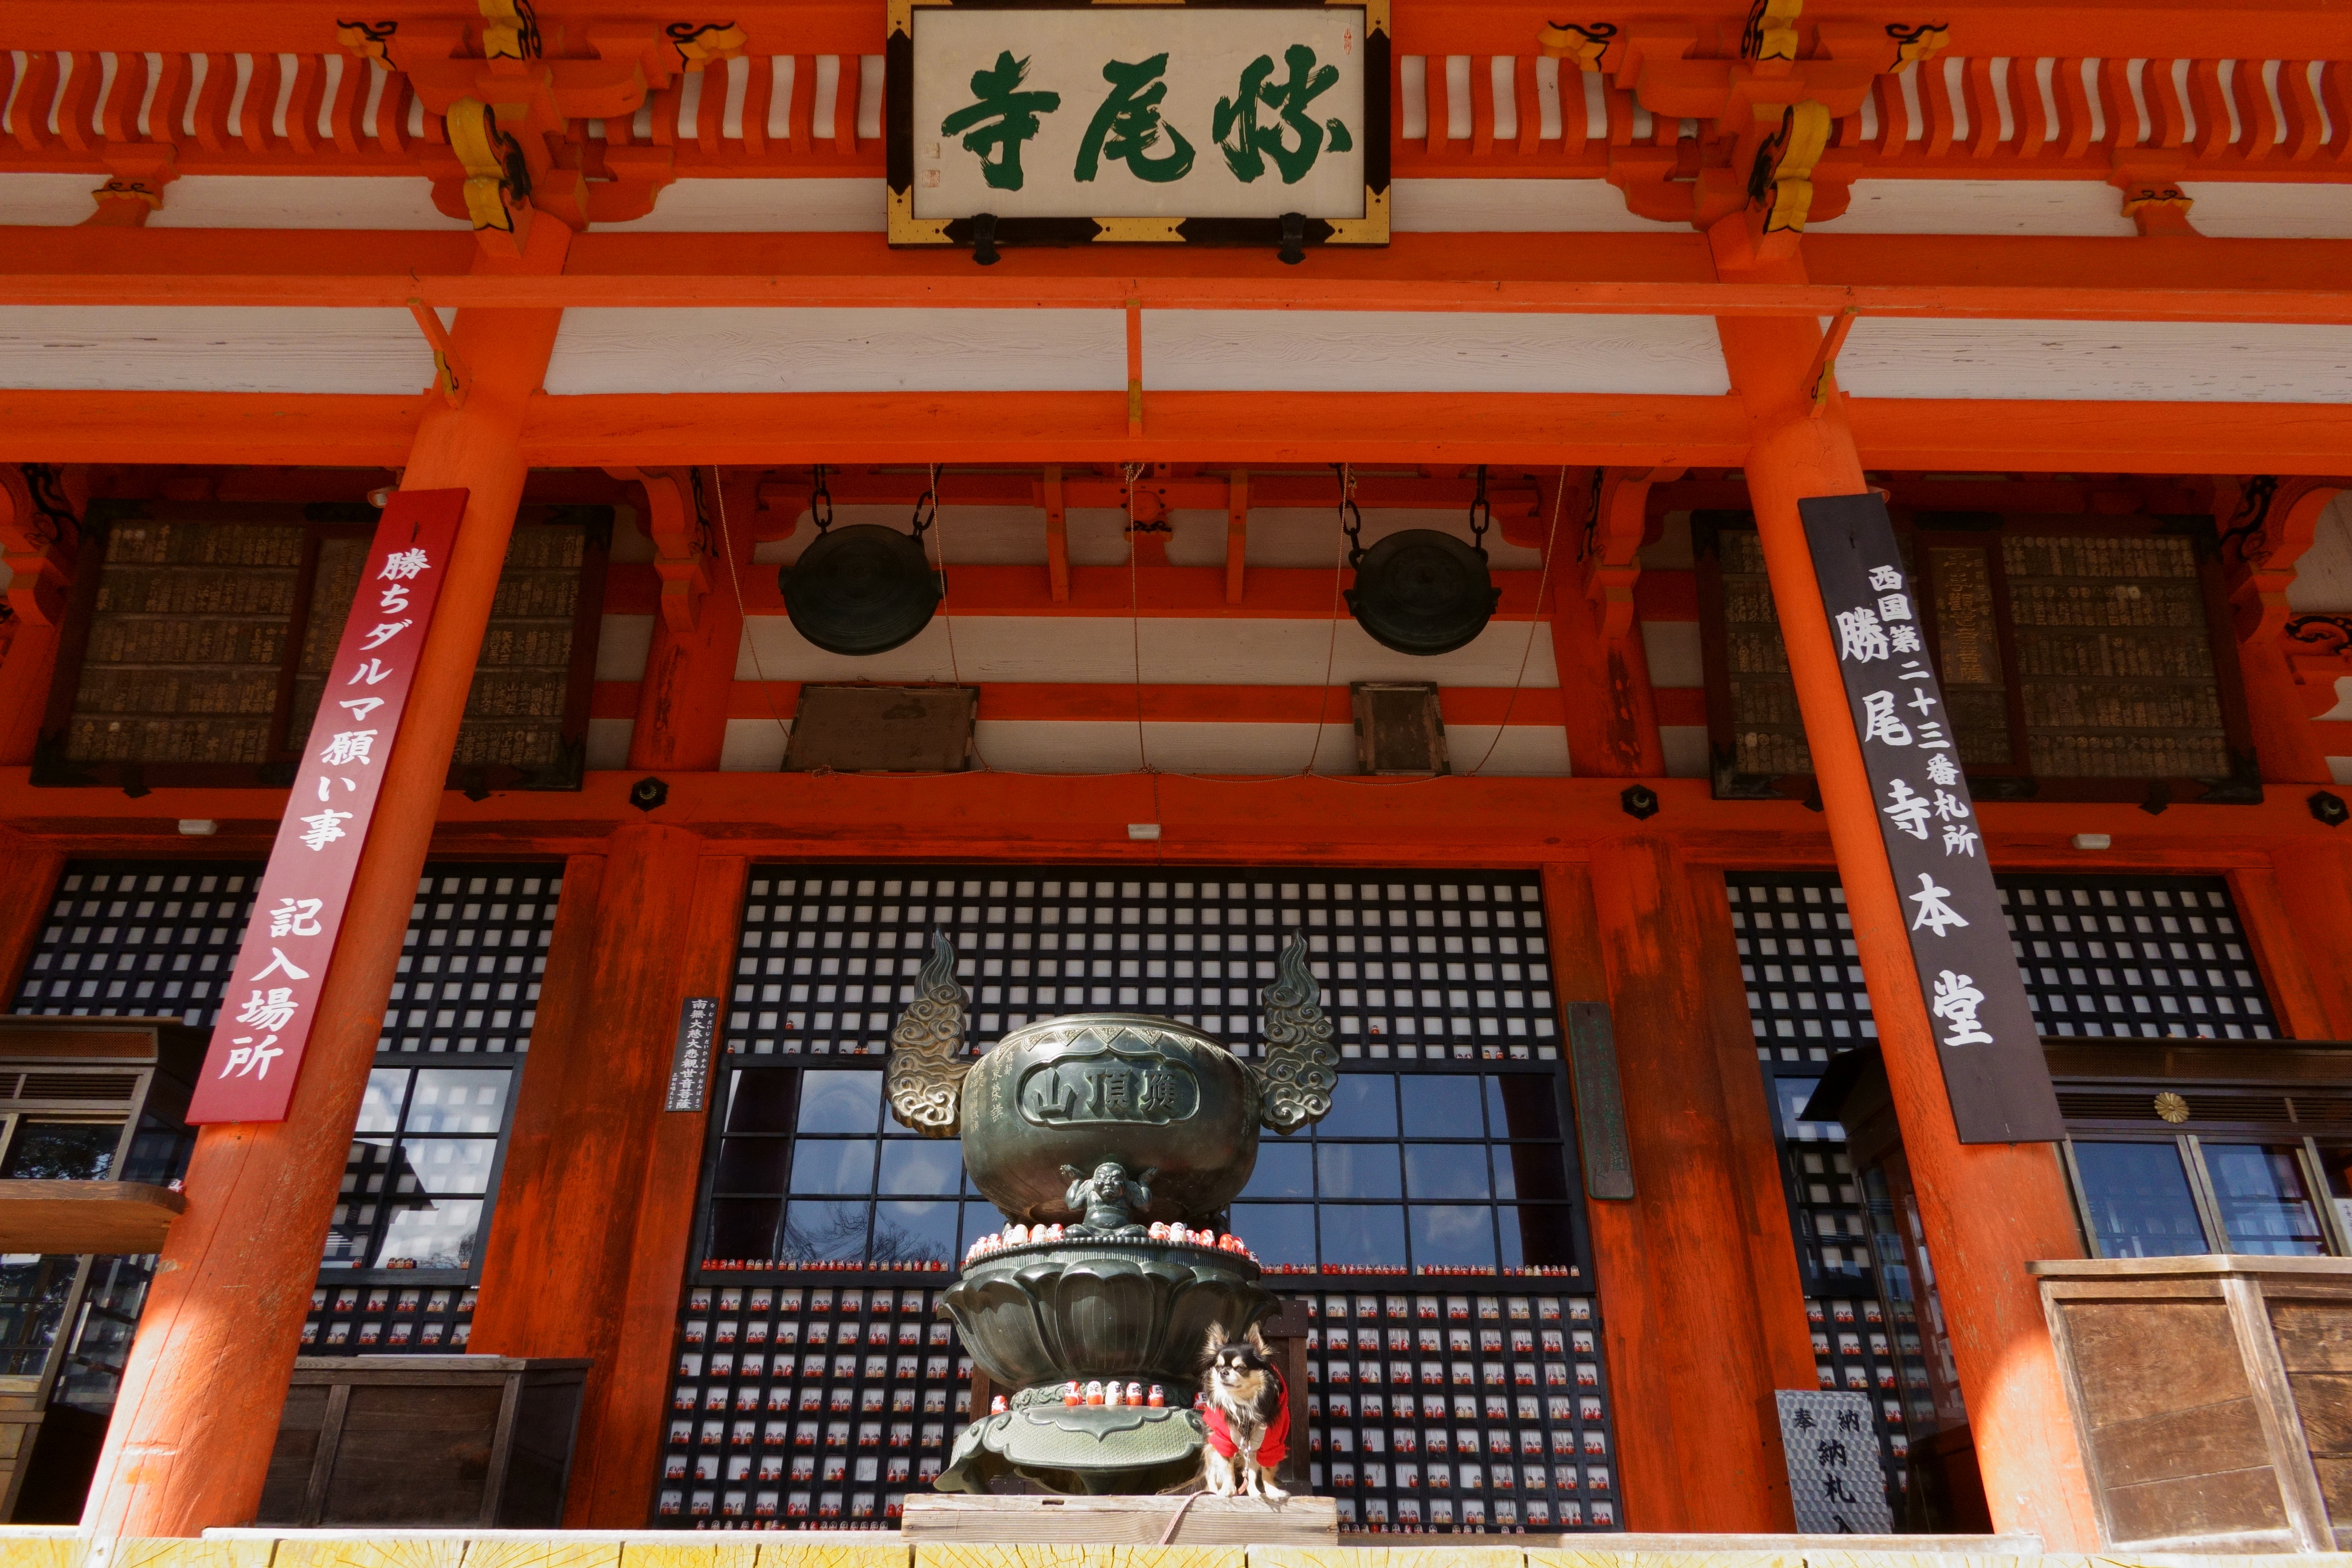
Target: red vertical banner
x: 271, y: 997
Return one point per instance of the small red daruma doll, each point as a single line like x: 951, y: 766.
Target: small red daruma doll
x: 1159, y: 1231
x: 1094, y: 1393
x: 996, y: 1406
x: 1071, y: 1393
x: 1158, y: 1399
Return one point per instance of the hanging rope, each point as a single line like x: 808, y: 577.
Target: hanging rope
x: 1542, y: 579
x: 947, y: 616
x: 744, y: 640
x: 1353, y: 531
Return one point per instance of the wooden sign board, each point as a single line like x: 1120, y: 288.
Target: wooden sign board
x: 1994, y: 1073
x: 1061, y: 123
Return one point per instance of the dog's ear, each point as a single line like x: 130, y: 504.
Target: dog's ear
x: 1215, y: 1342
x: 1258, y: 1344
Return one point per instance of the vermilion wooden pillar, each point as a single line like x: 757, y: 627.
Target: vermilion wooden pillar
x: 587, y: 1248
x: 32, y: 876
x: 1696, y: 1343
x: 190, y: 1442
x: 25, y: 670
x: 2313, y: 878
x: 691, y: 671
x: 1989, y: 1209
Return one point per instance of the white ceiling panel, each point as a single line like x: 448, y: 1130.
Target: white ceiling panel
x: 301, y: 201
x: 2088, y: 209
x: 764, y: 350
x: 1429, y: 350
x: 211, y: 348
x: 764, y: 206
x: 2186, y: 362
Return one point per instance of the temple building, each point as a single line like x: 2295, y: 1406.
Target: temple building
x: 1767, y: 588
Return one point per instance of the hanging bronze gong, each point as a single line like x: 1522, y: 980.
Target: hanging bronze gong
x: 1421, y: 592
x: 860, y: 589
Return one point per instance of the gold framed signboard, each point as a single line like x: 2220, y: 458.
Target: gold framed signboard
x: 1064, y: 123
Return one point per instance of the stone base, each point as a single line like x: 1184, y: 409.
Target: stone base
x: 1120, y: 1520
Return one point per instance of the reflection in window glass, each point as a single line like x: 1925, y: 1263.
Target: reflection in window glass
x: 432, y: 1233
x: 833, y: 1100
x: 2138, y: 1200
x: 62, y: 1151
x: 909, y: 1231
x: 1523, y: 1105
x: 1357, y: 1235
x: 927, y: 1166
x: 820, y: 1232
x: 1792, y: 1093
x: 1358, y: 1170
x: 1536, y: 1236
x: 446, y: 1100
x: 760, y: 1100
x: 32, y: 1291
x: 1362, y: 1106
x: 1446, y: 1170
x: 1452, y: 1234
x: 1283, y: 1171
x: 751, y: 1166
x: 832, y: 1165
x: 1277, y: 1233
x: 744, y: 1228
x: 447, y: 1165
x: 2262, y: 1201
x: 1443, y: 1105
x: 380, y: 1106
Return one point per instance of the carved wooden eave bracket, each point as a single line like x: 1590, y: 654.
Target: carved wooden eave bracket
x: 511, y: 103
x: 2275, y: 521
x: 40, y: 534
x: 676, y: 523
x: 1766, y: 96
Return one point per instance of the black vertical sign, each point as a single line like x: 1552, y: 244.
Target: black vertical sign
x: 689, y: 1061
x: 1994, y: 1074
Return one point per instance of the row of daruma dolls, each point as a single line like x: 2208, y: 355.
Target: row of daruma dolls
x: 1173, y: 1234
x: 1111, y: 1393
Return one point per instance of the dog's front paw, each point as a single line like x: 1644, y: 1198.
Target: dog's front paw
x: 1273, y: 1494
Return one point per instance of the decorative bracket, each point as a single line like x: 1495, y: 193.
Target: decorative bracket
x: 450, y: 377
x: 1612, y: 546
x: 1822, y: 378
x: 41, y: 534
x: 681, y: 536
x: 497, y: 176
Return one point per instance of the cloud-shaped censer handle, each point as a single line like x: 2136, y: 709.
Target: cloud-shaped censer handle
x: 927, y: 1061
x: 1300, y: 1068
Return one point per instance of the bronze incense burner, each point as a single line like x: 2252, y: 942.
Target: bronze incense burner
x: 1102, y: 1123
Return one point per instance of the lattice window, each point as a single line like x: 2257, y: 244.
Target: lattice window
x: 157, y: 938
x: 1437, y: 1201
x: 2101, y: 955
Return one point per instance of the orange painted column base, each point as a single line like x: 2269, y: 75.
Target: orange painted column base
x: 1989, y: 1209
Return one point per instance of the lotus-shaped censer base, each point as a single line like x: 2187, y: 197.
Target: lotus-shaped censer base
x: 1041, y: 1316
x: 1099, y: 1123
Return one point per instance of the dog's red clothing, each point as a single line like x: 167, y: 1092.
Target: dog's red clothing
x: 1277, y: 1444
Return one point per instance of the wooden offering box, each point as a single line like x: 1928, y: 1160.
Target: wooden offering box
x: 2212, y: 1396
x: 480, y: 1441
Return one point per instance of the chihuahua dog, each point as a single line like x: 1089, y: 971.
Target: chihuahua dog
x: 1248, y: 1416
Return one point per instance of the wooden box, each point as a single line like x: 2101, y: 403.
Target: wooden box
x: 479, y: 1441
x: 2212, y: 1396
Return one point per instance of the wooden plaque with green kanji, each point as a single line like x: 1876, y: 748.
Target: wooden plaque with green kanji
x: 1022, y: 123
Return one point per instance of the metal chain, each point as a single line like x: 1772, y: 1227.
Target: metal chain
x: 1482, y: 515
x: 927, y: 505
x: 1352, y: 516
x: 820, y: 499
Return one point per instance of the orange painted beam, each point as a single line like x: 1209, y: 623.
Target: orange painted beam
x: 1246, y: 429
x: 1154, y: 592
x: 1681, y: 704
x: 1449, y: 821
x: 1664, y: 273
x: 1091, y: 703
